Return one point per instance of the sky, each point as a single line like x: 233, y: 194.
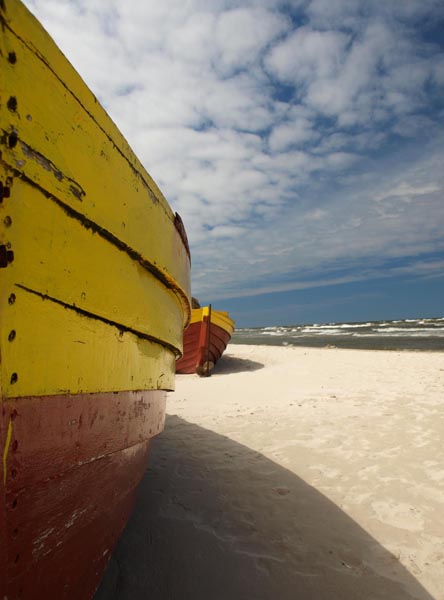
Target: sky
x: 301, y: 142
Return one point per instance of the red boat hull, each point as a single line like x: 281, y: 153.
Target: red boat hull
x: 203, y: 345
x: 73, y: 463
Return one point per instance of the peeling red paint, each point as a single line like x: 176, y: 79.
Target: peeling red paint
x: 73, y: 466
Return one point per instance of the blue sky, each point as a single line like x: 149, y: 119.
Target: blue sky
x: 301, y: 142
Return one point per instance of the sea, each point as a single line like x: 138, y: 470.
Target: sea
x: 403, y: 334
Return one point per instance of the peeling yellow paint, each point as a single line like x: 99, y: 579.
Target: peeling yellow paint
x: 6, y: 449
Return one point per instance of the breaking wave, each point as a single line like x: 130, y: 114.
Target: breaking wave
x: 399, y: 334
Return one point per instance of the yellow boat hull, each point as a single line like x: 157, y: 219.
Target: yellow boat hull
x: 87, y: 227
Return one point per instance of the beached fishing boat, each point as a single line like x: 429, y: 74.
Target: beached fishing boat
x: 205, y: 340
x: 94, y: 296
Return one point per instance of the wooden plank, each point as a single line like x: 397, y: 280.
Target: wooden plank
x: 54, y: 434
x: 57, y: 350
x: 55, y: 255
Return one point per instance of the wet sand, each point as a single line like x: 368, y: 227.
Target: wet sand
x: 293, y: 473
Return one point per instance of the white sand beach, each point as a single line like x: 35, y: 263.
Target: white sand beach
x: 293, y: 473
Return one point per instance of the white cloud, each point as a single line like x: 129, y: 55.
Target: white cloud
x: 407, y: 191
x: 355, y: 84
x: 289, y: 146
x: 292, y: 133
x: 307, y: 55
x: 243, y: 33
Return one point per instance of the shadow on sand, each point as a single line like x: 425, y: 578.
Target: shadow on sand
x: 215, y: 520
x: 232, y: 364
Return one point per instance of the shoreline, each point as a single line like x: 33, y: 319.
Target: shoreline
x: 408, y: 334
x: 335, y: 347
x: 293, y: 472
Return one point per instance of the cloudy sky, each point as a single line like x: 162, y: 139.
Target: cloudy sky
x: 302, y: 142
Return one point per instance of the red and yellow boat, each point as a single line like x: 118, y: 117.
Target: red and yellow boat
x: 205, y: 340
x: 94, y: 296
